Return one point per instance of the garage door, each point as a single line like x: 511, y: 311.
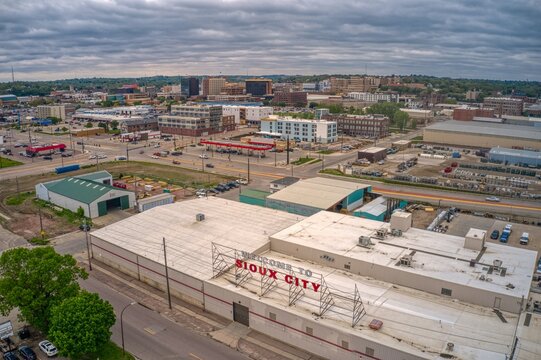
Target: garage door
x: 124, y: 202
x: 102, y: 208
x: 241, y: 314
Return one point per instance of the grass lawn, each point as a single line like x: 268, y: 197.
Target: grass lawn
x: 303, y: 160
x: 326, y: 152
x: 420, y: 137
x: 109, y: 351
x: 18, y: 199
x: 5, y: 162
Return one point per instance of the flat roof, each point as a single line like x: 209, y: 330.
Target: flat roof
x: 373, y: 150
x: 413, y: 321
x: 158, y: 197
x: 485, y: 128
x: 317, y: 192
x: 254, y: 193
x: 515, y: 152
x: 439, y: 256
x: 288, y: 180
x: 189, y: 241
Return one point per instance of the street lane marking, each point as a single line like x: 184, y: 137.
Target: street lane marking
x: 195, y: 356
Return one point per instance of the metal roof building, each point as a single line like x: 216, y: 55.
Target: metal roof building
x: 308, y: 196
x: 515, y: 156
x: 91, y: 192
x: 312, y: 282
x: 482, y: 134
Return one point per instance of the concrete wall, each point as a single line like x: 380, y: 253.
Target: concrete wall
x: 325, y: 340
x: 400, y: 276
x: 476, y: 140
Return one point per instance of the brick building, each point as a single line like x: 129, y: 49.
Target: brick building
x: 292, y: 98
x: 468, y: 113
x: 504, y: 105
x: 374, y: 126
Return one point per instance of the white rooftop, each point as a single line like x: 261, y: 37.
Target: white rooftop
x: 317, y: 192
x: 413, y: 321
x: 188, y: 241
x: 373, y: 150
x: 438, y: 256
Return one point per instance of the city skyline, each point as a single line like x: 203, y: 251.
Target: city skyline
x: 485, y: 40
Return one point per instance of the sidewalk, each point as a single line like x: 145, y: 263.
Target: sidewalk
x: 254, y: 344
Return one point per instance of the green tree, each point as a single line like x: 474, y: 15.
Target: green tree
x: 36, y: 280
x: 104, y: 125
x: 138, y: 102
x: 400, y: 118
x: 114, y: 124
x: 81, y: 324
x: 88, y: 125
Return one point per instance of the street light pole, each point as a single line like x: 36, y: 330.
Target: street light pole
x: 248, y: 169
x: 87, y: 246
x: 122, y: 324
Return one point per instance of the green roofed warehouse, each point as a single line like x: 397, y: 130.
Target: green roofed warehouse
x: 92, y: 192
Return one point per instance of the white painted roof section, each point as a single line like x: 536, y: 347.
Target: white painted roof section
x: 317, y: 192
x: 154, y: 198
x: 373, y: 150
x: 436, y: 255
x: 423, y: 322
x: 188, y: 241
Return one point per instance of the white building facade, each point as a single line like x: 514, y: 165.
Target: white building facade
x: 370, y: 97
x: 250, y: 115
x: 317, y: 131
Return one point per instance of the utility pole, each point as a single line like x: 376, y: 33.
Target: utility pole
x: 40, y: 223
x: 275, y: 155
x: 248, y: 169
x: 322, y: 162
x: 202, y: 164
x: 127, y: 152
x: 166, y: 274
x: 287, y: 150
x: 87, y: 244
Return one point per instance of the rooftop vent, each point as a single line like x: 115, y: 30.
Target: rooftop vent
x: 364, y: 241
x: 450, y: 346
x: 200, y: 217
x: 406, y: 260
x: 396, y: 232
x: 381, y: 233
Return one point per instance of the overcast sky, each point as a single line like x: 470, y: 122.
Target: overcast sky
x: 45, y: 40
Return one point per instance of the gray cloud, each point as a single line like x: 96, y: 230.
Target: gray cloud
x: 66, y: 39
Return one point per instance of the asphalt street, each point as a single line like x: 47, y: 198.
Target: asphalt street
x: 149, y: 335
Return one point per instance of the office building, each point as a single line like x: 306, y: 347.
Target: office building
x: 291, y: 98
x: 317, y: 131
x: 247, y: 115
x: 373, y: 97
x: 213, y: 85
x: 259, y: 87
x: 354, y: 84
x: 47, y: 111
x: 189, y: 86
x: 504, y: 105
x: 193, y: 120
x: 232, y: 89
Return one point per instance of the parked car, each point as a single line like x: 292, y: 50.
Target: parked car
x: 47, y: 157
x: 176, y: 162
x: 10, y: 355
x: 27, y: 353
x: 495, y: 235
x: 242, y: 181
x: 209, y: 165
x: 204, y: 156
x: 492, y: 199
x: 48, y: 348
x: 24, y: 333
x: 66, y: 154
x: 524, y: 239
x: 233, y: 184
x: 92, y: 157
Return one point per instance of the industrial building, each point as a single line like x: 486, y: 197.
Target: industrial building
x: 372, y: 154
x: 320, y: 131
x: 483, y: 134
x: 153, y: 201
x: 309, y: 196
x: 373, y: 126
x: 335, y: 285
x: 92, y: 192
x: 515, y: 156
x: 504, y: 105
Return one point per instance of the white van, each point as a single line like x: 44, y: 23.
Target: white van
x: 524, y: 238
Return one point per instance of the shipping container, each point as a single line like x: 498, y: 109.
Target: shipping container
x: 67, y: 168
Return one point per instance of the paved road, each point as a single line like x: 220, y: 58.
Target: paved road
x: 148, y: 335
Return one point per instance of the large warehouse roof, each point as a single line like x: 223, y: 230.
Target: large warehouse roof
x: 338, y: 235
x: 188, y: 241
x: 83, y: 190
x: 318, y: 192
x: 413, y: 321
x: 483, y: 128
x: 516, y: 152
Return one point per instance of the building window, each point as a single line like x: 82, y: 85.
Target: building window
x: 347, y: 266
x: 309, y: 330
x: 345, y: 344
x: 369, y: 351
x: 446, y: 292
x: 272, y: 316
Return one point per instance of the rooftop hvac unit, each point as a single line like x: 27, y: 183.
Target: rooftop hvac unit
x: 200, y: 217
x: 381, y: 233
x: 450, y: 346
x: 364, y: 241
x: 497, y: 263
x: 396, y: 232
x: 473, y: 262
x: 406, y: 260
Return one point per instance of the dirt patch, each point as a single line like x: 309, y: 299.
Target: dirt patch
x: 421, y: 219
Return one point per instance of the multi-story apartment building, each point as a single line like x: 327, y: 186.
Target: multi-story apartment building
x: 373, y: 126
x: 317, y: 131
x: 259, y: 87
x: 46, y: 111
x: 291, y: 98
x: 373, y: 97
x: 213, y: 85
x: 192, y: 120
x: 504, y: 105
x: 249, y: 115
